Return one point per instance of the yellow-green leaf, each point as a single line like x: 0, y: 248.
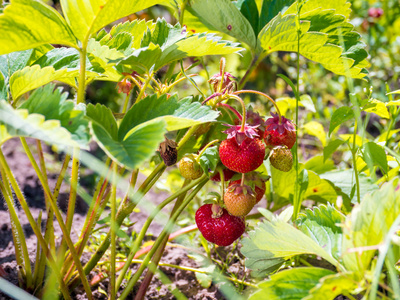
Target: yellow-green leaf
x: 27, y: 24
x: 377, y: 107
x: 316, y: 129
x: 87, y: 17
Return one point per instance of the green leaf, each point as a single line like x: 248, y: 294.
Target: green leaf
x: 319, y: 41
x: 346, y: 184
x: 249, y: 10
x: 133, y: 150
x: 318, y: 165
x: 316, y: 129
x: 331, y: 148
x: 224, y: 16
x: 340, y: 116
x: 369, y: 223
x: 27, y: 24
x: 271, y: 8
x: 12, y: 62
x: 341, y: 7
x: 33, y: 77
x: 392, y: 103
x: 278, y: 239
x: 321, y: 225
x: 3, y: 88
x: 88, y: 17
x: 20, y: 123
x: 209, y: 160
x: 377, y: 107
x: 307, y: 102
x: 103, y: 116
x: 375, y: 155
x: 290, y: 284
x: 177, y: 114
x: 53, y: 105
x: 136, y: 29
x: 331, y: 286
x: 318, y: 189
x: 164, y: 43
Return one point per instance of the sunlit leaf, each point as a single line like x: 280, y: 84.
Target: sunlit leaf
x: 332, y: 147
x: 321, y: 224
x: 177, y: 114
x: 316, y: 129
x: 331, y: 286
x: 53, y: 105
x: 88, y: 17
x: 27, y: 24
x: 368, y: 225
x: 377, y: 107
x: 278, y: 239
x: 293, y: 284
x: 225, y: 17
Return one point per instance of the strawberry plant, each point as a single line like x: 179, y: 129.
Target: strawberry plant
x: 184, y: 123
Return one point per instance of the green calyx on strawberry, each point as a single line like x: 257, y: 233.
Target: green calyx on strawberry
x: 279, y: 133
x: 241, y: 152
x: 255, y: 181
x: 239, y: 199
x: 281, y: 158
x: 189, y: 167
x: 218, y: 226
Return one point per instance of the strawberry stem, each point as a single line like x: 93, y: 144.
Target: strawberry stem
x: 242, y: 181
x: 231, y: 109
x: 266, y: 96
x: 205, y: 148
x: 243, y: 108
x: 222, y: 176
x: 221, y: 72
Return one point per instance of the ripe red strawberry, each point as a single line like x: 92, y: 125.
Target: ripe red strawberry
x: 218, y: 226
x: 259, y: 188
x: 239, y: 200
x: 279, y: 134
x: 281, y: 158
x: 190, y: 168
x: 243, y: 158
x: 228, y: 174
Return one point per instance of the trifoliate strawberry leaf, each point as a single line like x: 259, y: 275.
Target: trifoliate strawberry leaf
x: 271, y: 8
x: 3, y: 88
x: 103, y: 116
x: 133, y: 150
x: 59, y: 108
x: 163, y: 43
x: 33, y: 77
x: 249, y: 10
x: 178, y: 114
x: 293, y: 284
x: 26, y: 24
x: 88, y: 17
x: 321, y: 225
x: 225, y: 17
x: 368, y: 224
x: 277, y: 239
x: 57, y: 122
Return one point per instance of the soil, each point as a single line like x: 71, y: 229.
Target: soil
x: 185, y: 281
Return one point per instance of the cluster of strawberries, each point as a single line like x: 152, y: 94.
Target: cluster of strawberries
x: 242, y: 152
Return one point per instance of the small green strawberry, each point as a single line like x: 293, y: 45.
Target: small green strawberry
x: 189, y: 167
x: 281, y: 158
x: 239, y: 200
